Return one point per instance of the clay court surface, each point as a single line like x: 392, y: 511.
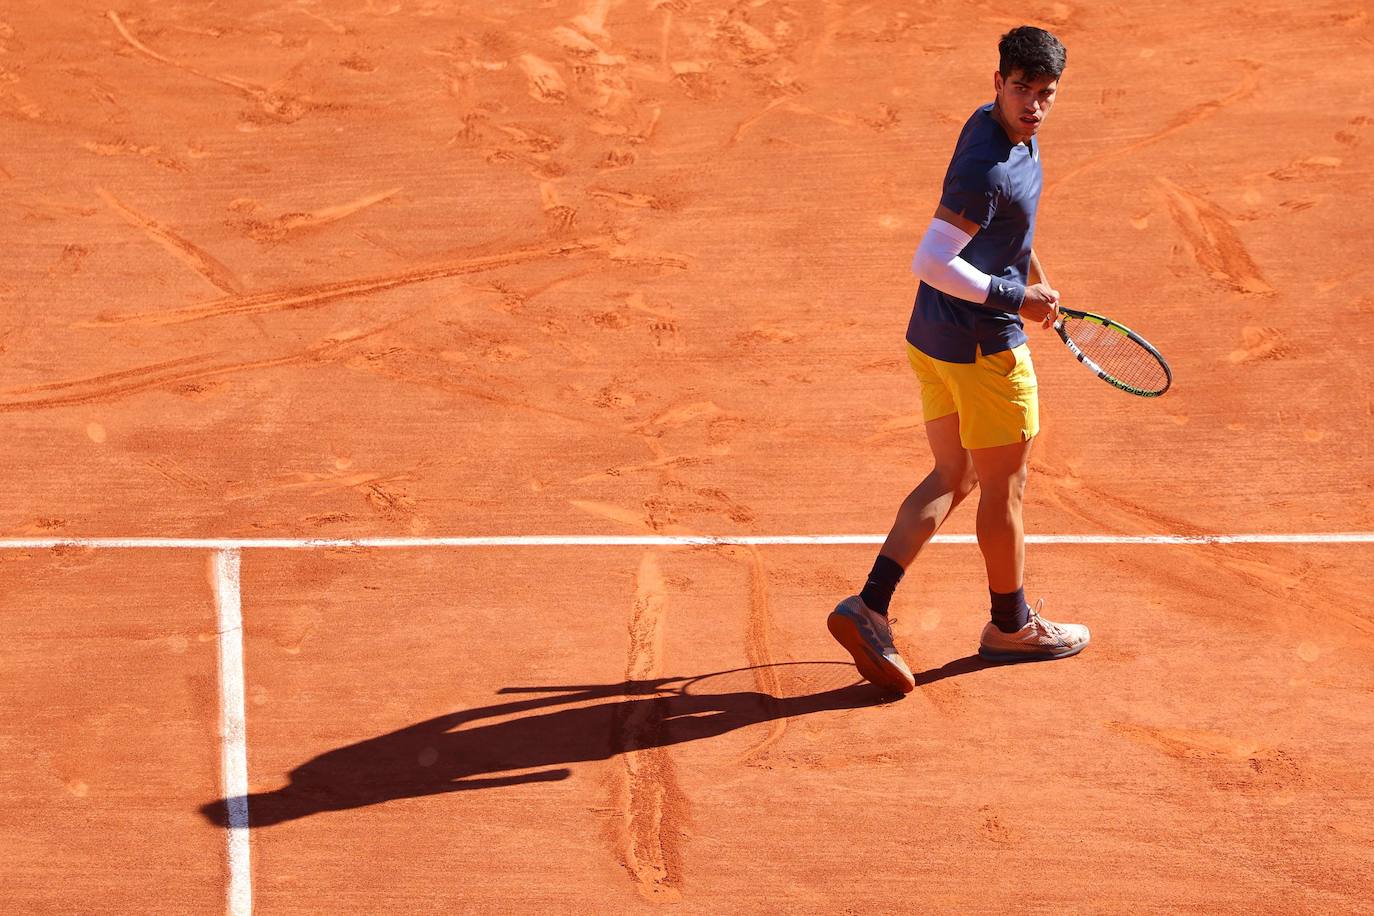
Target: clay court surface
x: 386, y: 269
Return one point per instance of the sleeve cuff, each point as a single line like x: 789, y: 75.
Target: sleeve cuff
x: 1006, y: 295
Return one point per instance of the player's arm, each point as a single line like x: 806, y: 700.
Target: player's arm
x: 1037, y: 271
x: 938, y: 264
x: 957, y: 219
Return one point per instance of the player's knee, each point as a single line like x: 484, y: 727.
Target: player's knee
x: 967, y: 482
x: 1010, y: 488
x: 959, y: 479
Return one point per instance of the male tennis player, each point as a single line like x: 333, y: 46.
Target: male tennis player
x: 979, y: 279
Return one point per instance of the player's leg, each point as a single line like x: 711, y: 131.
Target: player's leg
x: 999, y: 395
x: 948, y: 483
x: 1016, y: 632
x: 859, y: 622
x: 926, y: 507
x: 1001, y: 473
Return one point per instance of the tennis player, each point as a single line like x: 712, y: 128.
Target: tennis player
x: 979, y: 278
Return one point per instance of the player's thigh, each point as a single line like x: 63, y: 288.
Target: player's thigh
x: 951, y: 458
x: 1002, y: 468
x: 937, y: 400
x: 997, y: 397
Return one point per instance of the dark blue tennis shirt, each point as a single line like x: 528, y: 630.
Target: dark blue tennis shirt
x: 997, y: 185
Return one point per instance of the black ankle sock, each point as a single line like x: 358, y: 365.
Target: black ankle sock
x: 882, y: 582
x: 1010, y: 611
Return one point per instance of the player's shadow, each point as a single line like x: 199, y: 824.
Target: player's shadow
x: 536, y: 738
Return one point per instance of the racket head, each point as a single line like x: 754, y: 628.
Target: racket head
x: 1115, y: 353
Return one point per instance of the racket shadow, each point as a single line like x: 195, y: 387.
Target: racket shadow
x: 966, y: 665
x: 542, y: 731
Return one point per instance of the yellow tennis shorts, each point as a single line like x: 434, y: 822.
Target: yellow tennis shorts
x: 994, y: 396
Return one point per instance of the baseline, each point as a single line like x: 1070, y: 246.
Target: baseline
x: 648, y: 540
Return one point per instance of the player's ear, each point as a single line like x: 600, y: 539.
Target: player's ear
x: 997, y: 81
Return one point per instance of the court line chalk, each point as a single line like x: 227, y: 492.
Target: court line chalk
x: 644, y: 540
x: 233, y: 726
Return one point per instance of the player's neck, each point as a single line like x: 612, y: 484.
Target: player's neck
x: 1012, y: 137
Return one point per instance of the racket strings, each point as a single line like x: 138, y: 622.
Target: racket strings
x: 1117, y: 355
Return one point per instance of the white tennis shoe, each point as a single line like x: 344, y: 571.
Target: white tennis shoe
x: 867, y: 636
x: 1039, y: 639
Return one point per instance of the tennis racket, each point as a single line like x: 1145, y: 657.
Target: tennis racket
x: 1118, y: 355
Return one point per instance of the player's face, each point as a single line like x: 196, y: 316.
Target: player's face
x: 1024, y: 103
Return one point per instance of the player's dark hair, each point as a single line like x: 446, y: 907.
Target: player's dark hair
x: 1034, y: 52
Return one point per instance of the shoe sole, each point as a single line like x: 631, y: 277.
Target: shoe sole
x: 874, y: 668
x: 994, y: 655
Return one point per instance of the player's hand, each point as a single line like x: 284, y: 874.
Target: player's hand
x: 1041, y: 304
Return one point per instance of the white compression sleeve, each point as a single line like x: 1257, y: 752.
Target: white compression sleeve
x: 937, y: 262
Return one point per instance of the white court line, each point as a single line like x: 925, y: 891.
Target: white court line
x: 233, y: 727
x: 648, y: 540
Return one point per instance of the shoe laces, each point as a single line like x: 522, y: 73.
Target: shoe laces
x: 883, y: 627
x: 1042, y: 626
